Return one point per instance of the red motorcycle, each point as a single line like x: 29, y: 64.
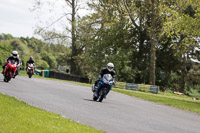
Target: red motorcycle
x: 10, y: 70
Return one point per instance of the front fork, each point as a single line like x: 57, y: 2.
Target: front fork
x: 99, y: 87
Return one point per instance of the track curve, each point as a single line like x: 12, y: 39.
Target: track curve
x: 116, y: 114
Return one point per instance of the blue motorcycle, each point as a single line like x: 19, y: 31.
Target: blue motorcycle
x: 106, y: 84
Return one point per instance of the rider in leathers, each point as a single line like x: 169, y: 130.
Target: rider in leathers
x: 18, y: 67
x: 98, y: 83
x: 13, y: 56
x: 30, y: 61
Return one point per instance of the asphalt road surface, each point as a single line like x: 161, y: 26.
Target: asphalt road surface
x: 118, y: 113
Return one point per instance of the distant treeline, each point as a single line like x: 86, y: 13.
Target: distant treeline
x: 46, y: 56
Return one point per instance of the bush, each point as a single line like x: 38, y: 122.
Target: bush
x: 193, y: 91
x: 41, y: 64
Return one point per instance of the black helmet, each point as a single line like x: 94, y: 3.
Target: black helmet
x: 31, y: 58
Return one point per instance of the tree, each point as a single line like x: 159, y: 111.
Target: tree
x: 142, y: 18
x: 5, y: 50
x: 49, y: 58
x: 6, y: 36
x: 183, y: 26
x: 75, y: 6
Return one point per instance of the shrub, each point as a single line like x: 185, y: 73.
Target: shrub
x: 193, y: 91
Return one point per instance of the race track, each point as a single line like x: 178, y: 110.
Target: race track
x: 116, y: 114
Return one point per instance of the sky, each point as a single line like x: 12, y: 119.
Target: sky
x: 17, y: 19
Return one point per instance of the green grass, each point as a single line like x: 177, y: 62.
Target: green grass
x: 18, y: 117
x: 181, y: 102
x: 23, y: 73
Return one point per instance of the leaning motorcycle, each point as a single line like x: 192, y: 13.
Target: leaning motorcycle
x: 30, y: 70
x: 107, y: 82
x: 10, y: 70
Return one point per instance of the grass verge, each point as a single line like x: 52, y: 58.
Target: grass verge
x: 181, y: 102
x: 17, y: 116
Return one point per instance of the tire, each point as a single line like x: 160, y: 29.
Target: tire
x: 101, y: 98
x: 95, y: 98
x: 30, y: 73
x: 9, y: 76
x: 102, y: 93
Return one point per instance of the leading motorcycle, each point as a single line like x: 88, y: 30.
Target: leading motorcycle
x: 107, y: 83
x: 10, y: 70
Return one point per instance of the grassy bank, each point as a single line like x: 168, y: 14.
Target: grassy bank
x: 18, y: 117
x: 181, y: 102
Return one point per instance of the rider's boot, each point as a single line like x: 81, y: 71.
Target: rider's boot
x: 3, y: 71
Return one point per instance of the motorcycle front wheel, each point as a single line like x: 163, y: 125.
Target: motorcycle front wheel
x: 102, y: 94
x: 30, y: 73
x: 95, y: 98
x: 8, y: 77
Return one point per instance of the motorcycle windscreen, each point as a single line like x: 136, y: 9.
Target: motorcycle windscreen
x: 12, y: 61
x: 107, y: 77
x: 31, y: 65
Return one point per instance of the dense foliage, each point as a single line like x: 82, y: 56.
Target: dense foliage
x: 140, y: 36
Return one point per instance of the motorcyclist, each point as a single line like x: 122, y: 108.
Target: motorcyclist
x: 30, y: 61
x: 108, y: 70
x: 13, y: 56
x: 18, y: 66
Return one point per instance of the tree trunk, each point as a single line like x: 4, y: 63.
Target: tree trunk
x: 152, y: 66
x: 183, y: 75
x: 73, y: 65
x: 152, y: 34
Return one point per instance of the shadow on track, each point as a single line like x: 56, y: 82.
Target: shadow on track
x: 89, y: 100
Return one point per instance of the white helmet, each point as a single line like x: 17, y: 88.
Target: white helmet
x: 15, y: 53
x: 110, y: 66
